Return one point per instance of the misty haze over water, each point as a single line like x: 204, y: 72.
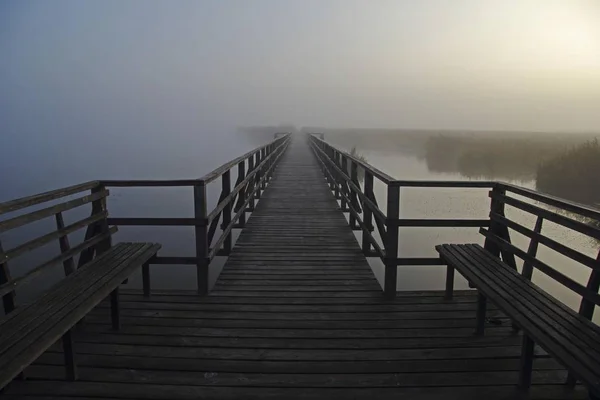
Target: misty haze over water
x: 160, y: 90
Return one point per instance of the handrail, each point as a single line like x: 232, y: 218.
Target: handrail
x: 340, y: 170
x: 254, y: 171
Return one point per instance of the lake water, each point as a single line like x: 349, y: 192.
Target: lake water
x: 414, y: 242
x: 463, y: 203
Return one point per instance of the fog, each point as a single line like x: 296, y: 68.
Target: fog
x: 157, y: 89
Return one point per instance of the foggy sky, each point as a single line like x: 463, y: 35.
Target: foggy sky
x: 140, y: 65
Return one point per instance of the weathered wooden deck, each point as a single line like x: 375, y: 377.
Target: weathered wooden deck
x: 295, y: 314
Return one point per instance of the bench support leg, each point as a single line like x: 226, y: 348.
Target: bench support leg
x: 571, y: 380
x: 146, y: 279
x: 481, y: 310
x: 69, y: 352
x: 115, y: 309
x: 449, y: 282
x: 526, y: 362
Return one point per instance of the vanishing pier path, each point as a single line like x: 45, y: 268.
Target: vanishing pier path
x: 296, y: 313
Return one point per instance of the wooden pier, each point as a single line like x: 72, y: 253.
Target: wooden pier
x: 296, y: 312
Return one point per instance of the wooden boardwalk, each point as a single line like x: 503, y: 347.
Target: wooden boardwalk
x: 295, y: 314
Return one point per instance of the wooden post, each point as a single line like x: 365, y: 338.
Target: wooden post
x: 449, y: 282
x: 115, y: 309
x: 146, y: 279
x: 481, y: 311
x: 342, y: 181
x: 201, y: 234
x: 499, y: 230
x: 527, y: 271
x: 96, y: 228
x: 263, y: 153
x: 63, y: 241
x: 69, y: 354
x: 258, y: 174
x: 336, y: 186
x: 226, y: 190
x: 586, y: 309
x: 391, y: 240
x: 367, y: 214
x: 353, y: 175
x: 526, y: 362
x: 8, y: 299
x: 242, y: 193
x: 250, y: 186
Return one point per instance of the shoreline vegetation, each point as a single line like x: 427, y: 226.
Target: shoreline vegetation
x: 564, y: 164
x: 573, y: 174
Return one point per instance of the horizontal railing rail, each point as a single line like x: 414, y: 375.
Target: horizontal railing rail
x: 254, y: 170
x: 341, y: 171
x: 96, y: 240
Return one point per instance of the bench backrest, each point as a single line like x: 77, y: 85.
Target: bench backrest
x: 25, y: 215
x: 545, y: 209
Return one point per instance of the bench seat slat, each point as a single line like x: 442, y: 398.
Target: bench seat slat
x: 32, y: 330
x: 561, y: 332
x: 561, y: 313
x: 23, y: 314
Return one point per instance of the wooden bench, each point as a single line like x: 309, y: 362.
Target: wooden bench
x: 27, y: 331
x: 568, y: 336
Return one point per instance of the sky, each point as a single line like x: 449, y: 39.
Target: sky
x: 456, y: 64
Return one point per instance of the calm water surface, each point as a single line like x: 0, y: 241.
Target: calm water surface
x: 414, y: 242
x: 464, y: 203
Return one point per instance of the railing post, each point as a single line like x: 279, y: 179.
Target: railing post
x: 9, y: 298
x: 226, y: 190
x: 498, y: 229
x: 527, y: 271
x: 63, y: 241
x: 263, y: 156
x: 391, y: 240
x: 367, y: 214
x: 258, y: 183
x: 353, y: 195
x: 336, y: 186
x: 251, y: 183
x: 201, y: 233
x: 96, y: 228
x: 242, y: 194
x: 344, y: 168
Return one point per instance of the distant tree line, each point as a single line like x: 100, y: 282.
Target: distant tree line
x: 573, y: 174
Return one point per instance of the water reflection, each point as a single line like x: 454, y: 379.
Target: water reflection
x: 465, y: 203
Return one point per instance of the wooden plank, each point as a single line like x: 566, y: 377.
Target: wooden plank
x: 216, y: 173
x: 191, y: 392
x: 299, y: 367
x: 429, y: 379
x: 21, y: 220
x: 382, y: 176
x: 551, y: 243
x: 11, y: 285
x: 29, y: 346
x: 68, y: 264
x: 541, y: 330
x: 61, y: 232
x: 149, y: 183
x: 145, y: 221
x: 29, y: 201
x: 549, y: 215
x: 553, y: 201
x: 558, y: 276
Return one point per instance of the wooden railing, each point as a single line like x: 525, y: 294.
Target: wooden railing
x: 341, y: 171
x: 254, y: 170
x: 97, y: 237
